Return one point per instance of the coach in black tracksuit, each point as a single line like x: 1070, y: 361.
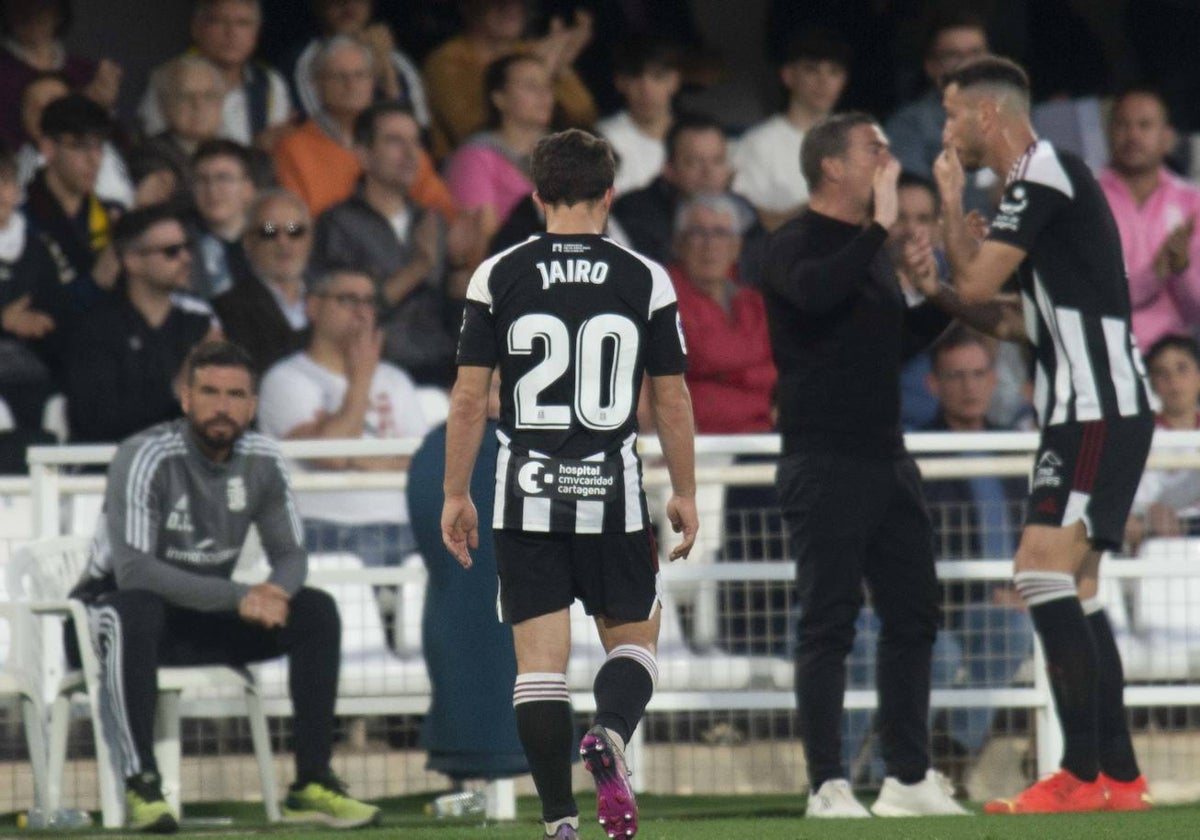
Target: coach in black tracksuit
x: 850, y: 493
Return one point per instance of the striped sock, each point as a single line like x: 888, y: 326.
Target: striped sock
x: 543, y: 708
x: 1057, y: 615
x: 623, y: 687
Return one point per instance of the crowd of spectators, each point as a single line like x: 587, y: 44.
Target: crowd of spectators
x: 413, y: 167
x: 298, y: 209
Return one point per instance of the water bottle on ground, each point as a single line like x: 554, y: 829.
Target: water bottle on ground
x: 63, y: 818
x: 462, y: 804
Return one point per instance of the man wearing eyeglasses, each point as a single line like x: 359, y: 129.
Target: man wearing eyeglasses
x: 338, y: 387
x: 221, y: 174
x: 264, y: 311
x: 122, y: 361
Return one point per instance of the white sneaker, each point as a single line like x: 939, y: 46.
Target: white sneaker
x: 835, y: 799
x: 932, y: 796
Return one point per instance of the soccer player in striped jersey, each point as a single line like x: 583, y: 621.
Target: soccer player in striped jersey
x: 573, y: 320
x: 1054, y: 231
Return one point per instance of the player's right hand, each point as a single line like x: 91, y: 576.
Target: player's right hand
x: 950, y: 176
x: 460, y: 528
x: 681, y: 510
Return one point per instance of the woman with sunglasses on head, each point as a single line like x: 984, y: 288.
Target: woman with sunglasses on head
x: 122, y: 361
x: 264, y: 311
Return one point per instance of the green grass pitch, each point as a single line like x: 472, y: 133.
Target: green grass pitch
x: 698, y: 818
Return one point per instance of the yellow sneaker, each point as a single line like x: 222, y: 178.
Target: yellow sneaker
x: 326, y: 802
x: 145, y: 808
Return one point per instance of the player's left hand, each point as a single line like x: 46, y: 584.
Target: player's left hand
x: 460, y: 528
x: 681, y: 510
x: 920, y: 266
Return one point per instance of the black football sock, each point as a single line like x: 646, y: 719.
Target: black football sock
x: 623, y: 687
x: 1070, y: 662
x: 543, y: 707
x: 1117, y: 758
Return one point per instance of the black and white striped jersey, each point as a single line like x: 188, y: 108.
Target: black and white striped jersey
x: 573, y: 321
x: 1074, y: 289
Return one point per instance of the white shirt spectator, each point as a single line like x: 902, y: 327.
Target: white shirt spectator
x: 296, y: 389
x: 640, y: 157
x: 235, y: 117
x: 766, y: 163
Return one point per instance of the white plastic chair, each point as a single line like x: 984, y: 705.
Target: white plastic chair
x: 43, y: 573
x: 20, y: 678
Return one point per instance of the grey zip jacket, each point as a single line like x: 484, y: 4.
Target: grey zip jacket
x: 174, y: 521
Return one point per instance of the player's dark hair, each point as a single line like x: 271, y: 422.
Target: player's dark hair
x: 495, y: 78
x: 685, y: 123
x: 572, y: 166
x: 366, y: 124
x: 640, y: 54
x: 219, y: 354
x: 957, y: 336
x: 78, y: 115
x: 1182, y: 343
x: 818, y: 44
x: 989, y: 70
x: 133, y: 224
x: 219, y: 147
x: 908, y: 179
x: 829, y: 138
x: 951, y: 18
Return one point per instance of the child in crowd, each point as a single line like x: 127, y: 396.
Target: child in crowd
x: 647, y: 76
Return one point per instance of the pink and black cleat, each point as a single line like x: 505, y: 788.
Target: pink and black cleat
x: 616, y: 807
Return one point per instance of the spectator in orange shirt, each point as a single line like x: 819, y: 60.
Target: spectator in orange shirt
x: 316, y: 160
x: 454, y: 72
x: 731, y: 374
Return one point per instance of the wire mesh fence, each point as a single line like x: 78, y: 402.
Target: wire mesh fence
x: 722, y: 721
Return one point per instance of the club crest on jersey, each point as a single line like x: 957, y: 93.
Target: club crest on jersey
x: 572, y: 271
x: 1008, y: 214
x: 235, y: 494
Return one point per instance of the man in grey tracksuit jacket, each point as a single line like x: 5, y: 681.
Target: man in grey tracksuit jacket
x: 158, y: 584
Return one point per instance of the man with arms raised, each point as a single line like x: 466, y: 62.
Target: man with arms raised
x: 1054, y: 230
x: 573, y: 320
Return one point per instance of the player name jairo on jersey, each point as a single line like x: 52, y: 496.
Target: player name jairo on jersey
x: 573, y: 321
x: 572, y: 271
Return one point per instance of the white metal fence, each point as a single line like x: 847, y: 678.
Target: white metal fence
x: 721, y: 720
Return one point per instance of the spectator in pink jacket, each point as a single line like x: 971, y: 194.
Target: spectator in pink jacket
x: 491, y: 170
x: 1156, y: 213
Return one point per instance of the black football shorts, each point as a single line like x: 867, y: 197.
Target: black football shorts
x: 614, y: 575
x: 1090, y: 472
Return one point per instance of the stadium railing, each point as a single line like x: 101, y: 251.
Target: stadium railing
x: 706, y: 682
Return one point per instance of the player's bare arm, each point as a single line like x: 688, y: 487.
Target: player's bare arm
x: 978, y: 269
x: 464, y: 433
x: 677, y: 432
x: 1000, y: 317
